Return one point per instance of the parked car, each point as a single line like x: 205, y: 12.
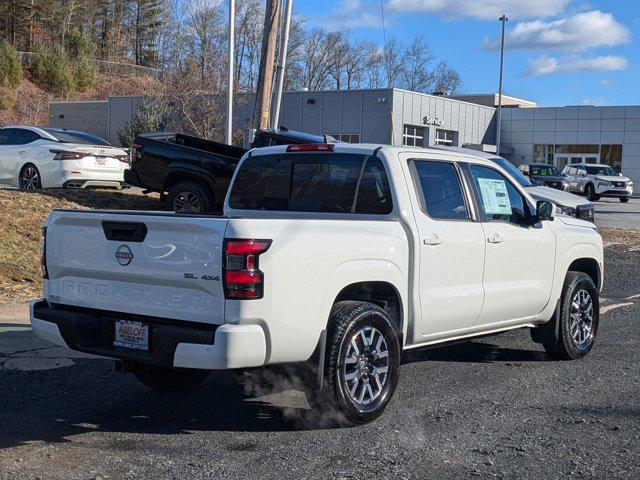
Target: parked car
x: 566, y: 203
x: 192, y: 174
x: 335, y: 258
x: 597, y: 180
x: 39, y: 157
x: 548, y: 175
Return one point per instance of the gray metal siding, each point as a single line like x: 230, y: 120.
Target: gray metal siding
x: 90, y: 117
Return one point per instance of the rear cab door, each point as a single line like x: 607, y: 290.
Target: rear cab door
x: 451, y: 249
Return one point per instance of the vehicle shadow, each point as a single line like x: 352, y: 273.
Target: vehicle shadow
x: 474, y: 352
x: 86, y: 395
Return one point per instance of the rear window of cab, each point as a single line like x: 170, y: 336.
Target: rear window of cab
x: 312, y: 182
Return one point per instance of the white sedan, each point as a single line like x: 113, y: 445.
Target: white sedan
x: 37, y: 157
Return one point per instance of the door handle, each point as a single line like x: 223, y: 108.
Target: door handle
x: 21, y: 152
x: 495, y: 238
x: 433, y: 240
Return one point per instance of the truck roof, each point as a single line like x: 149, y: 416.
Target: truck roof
x: 463, y: 154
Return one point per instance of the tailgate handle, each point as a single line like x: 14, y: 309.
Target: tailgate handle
x: 124, y: 231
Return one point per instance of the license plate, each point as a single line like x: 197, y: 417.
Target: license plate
x: 130, y: 334
x: 101, y: 162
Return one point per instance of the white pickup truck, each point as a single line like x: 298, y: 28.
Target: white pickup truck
x: 336, y: 257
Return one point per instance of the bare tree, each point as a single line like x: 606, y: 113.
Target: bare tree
x: 417, y: 71
x: 447, y: 80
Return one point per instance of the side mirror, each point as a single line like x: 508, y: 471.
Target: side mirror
x: 545, y: 211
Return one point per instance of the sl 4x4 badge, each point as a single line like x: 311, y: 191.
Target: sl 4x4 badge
x: 124, y: 255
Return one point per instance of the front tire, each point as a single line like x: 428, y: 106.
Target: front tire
x: 624, y: 199
x: 189, y: 197
x: 571, y: 334
x: 361, y: 363
x: 590, y: 192
x: 30, y: 178
x: 166, y: 379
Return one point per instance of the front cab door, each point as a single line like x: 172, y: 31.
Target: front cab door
x: 520, y: 256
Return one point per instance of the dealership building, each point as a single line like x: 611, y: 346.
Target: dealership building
x: 529, y: 133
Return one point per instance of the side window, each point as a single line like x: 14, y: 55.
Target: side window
x: 374, y: 194
x: 499, y: 198
x: 18, y: 136
x: 4, y: 137
x: 440, y: 190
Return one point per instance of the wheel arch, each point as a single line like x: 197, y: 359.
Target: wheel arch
x: 377, y: 281
x: 589, y: 266
x: 180, y: 175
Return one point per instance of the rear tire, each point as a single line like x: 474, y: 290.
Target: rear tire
x: 360, y: 375
x: 590, y: 192
x: 571, y: 334
x: 30, y: 178
x: 189, y: 197
x: 166, y: 379
x: 624, y: 199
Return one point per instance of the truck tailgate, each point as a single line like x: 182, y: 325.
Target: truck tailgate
x: 154, y: 264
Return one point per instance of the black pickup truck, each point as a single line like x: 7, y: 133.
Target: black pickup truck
x: 191, y: 174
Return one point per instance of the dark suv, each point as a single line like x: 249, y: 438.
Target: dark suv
x: 545, y: 174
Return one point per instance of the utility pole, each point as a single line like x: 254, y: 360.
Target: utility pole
x: 504, y: 21
x: 232, y: 34
x: 282, y: 65
x: 265, y: 77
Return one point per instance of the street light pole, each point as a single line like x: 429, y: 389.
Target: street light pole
x: 504, y: 21
x: 232, y: 11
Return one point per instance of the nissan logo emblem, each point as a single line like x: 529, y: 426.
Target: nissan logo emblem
x: 124, y: 255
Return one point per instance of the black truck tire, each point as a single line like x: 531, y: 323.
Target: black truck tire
x: 572, y: 332
x: 189, y: 197
x: 362, y: 363
x: 166, y: 379
x: 590, y: 192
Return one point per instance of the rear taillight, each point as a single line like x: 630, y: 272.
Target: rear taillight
x: 43, y: 253
x: 124, y: 159
x: 243, y: 280
x: 134, y: 152
x: 311, y: 147
x: 66, y: 155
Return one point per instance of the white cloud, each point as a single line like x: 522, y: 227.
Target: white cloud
x: 351, y: 13
x: 482, y: 9
x: 545, y: 65
x: 576, y: 33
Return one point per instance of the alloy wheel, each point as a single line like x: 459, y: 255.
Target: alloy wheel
x: 187, y: 202
x: 30, y: 179
x: 581, y: 324
x: 366, y: 366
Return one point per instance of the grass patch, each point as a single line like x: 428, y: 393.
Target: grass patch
x: 22, y: 215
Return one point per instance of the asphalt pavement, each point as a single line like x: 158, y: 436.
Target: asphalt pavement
x: 610, y: 212
x: 492, y: 408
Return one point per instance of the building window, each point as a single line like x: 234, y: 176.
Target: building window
x: 543, y: 153
x: 445, y: 137
x: 413, y: 136
x: 347, y: 137
x: 612, y: 155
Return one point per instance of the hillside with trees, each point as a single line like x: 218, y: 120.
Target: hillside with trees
x: 74, y: 47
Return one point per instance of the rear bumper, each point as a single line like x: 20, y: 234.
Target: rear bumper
x: 131, y: 177
x: 172, y: 343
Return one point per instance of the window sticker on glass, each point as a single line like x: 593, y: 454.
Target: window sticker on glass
x: 495, y: 196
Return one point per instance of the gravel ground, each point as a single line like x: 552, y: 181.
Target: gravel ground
x: 496, y: 407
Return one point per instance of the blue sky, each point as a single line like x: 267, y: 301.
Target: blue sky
x: 559, y: 52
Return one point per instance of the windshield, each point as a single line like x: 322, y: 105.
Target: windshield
x: 603, y: 170
x: 513, y: 171
x: 544, y: 171
x: 70, y: 136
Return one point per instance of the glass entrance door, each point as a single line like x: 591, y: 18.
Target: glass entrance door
x: 562, y: 160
